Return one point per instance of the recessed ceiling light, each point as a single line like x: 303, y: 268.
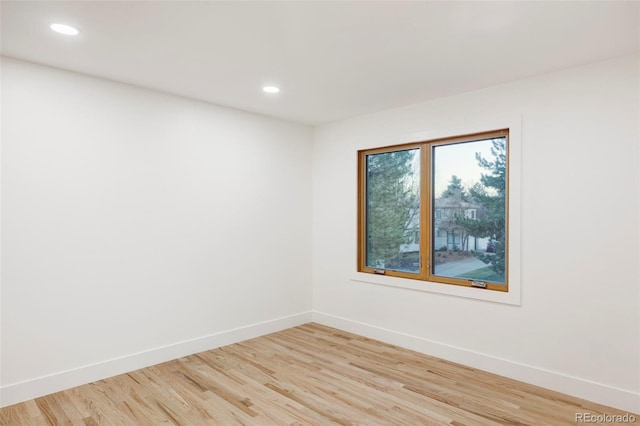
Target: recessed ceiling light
x: 64, y: 29
x: 270, y: 89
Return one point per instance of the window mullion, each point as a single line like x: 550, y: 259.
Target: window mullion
x: 425, y: 211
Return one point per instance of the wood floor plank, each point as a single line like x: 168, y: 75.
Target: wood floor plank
x: 307, y: 375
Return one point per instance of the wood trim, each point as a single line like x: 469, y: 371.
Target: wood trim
x: 507, y: 212
x: 469, y: 137
x: 361, y: 213
x: 425, y: 228
x: 466, y: 283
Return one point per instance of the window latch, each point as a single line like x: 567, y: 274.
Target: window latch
x: 378, y: 271
x: 479, y: 284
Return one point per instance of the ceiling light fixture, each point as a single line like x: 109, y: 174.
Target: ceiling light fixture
x: 270, y: 89
x: 64, y: 29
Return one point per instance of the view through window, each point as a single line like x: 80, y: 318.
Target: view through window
x: 437, y: 210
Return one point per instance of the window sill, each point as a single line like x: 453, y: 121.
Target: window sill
x: 510, y: 298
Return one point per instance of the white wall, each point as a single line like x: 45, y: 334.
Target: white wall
x: 139, y: 226
x: 577, y: 329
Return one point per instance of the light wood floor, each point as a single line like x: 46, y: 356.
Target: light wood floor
x: 307, y: 375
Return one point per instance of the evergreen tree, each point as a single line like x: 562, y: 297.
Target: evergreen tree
x: 392, y: 203
x: 455, y: 189
x: 491, y: 193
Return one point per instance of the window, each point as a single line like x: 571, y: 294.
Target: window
x: 436, y: 210
x: 453, y: 239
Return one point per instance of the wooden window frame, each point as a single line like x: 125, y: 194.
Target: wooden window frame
x: 426, y: 212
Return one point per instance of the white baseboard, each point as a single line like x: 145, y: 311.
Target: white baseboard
x: 18, y: 392
x: 581, y: 388
x: 597, y: 392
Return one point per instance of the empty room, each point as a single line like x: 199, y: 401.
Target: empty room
x: 319, y: 213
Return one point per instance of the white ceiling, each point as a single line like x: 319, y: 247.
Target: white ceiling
x: 332, y: 60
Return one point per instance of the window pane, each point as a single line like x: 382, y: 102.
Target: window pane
x: 393, y: 210
x: 469, y: 203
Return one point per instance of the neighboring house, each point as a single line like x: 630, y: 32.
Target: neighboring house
x: 447, y: 233
x: 412, y: 233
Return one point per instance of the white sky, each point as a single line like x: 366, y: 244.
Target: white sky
x: 460, y: 160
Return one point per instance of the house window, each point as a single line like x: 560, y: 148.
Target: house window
x: 453, y: 239
x: 453, y: 193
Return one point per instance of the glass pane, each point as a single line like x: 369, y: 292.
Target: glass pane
x: 469, y: 210
x: 393, y: 210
